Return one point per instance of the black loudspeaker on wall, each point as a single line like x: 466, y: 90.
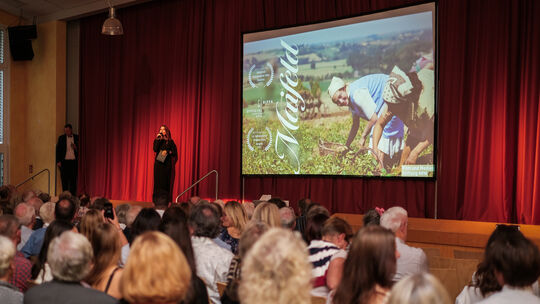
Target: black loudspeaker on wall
x: 20, y: 43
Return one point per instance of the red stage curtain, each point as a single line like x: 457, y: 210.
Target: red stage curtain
x: 178, y: 63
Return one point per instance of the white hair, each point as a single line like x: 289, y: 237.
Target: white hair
x: 393, y: 218
x: 70, y: 256
x: 420, y: 288
x: 24, y: 213
x: 7, y: 252
x: 46, y: 212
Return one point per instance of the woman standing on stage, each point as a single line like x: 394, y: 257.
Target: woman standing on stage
x: 166, y: 156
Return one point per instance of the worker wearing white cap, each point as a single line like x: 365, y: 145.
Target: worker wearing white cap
x: 364, y: 99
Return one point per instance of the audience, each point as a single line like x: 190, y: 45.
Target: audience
x: 106, y: 274
x: 174, y: 224
x: 369, y: 267
x: 267, y: 213
x: 70, y: 258
x: 26, y: 216
x: 212, y: 261
x: 41, y: 271
x: 234, y: 220
x: 288, y: 218
x: 184, y: 262
x: 276, y: 270
x: 8, y: 293
x: 412, y: 260
x: 156, y: 272
x: 420, y: 288
x: 9, y: 227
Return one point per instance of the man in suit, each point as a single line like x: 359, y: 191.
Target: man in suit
x: 70, y: 257
x: 66, y: 158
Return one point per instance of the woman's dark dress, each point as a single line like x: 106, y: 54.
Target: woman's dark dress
x: 163, y: 172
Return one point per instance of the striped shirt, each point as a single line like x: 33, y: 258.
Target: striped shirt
x: 321, y: 254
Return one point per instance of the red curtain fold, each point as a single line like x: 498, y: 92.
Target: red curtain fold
x: 178, y: 63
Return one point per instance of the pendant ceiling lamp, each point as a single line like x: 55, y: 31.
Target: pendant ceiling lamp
x: 112, y: 26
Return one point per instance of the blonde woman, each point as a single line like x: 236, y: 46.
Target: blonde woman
x: 276, y: 270
x: 234, y: 221
x: 267, y: 213
x: 156, y: 271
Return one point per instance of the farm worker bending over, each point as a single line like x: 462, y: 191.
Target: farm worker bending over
x: 364, y: 99
x: 409, y: 96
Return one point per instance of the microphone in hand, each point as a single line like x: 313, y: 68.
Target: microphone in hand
x: 159, y: 136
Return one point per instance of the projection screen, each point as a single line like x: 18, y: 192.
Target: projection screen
x: 350, y: 97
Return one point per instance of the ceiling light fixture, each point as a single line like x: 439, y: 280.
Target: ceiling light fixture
x: 112, y: 26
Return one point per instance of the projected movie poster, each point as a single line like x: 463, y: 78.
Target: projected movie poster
x: 347, y: 99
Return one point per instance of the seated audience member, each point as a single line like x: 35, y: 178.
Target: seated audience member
x: 9, y: 227
x: 249, y: 207
x: 328, y: 240
x: 314, y: 209
x: 106, y: 274
x: 34, y: 243
x: 194, y: 200
x: 288, y: 218
x: 121, y: 212
x: 26, y: 216
x: 36, y: 203
x: 412, y: 260
x: 211, y: 260
x: 161, y: 202
x: 41, y: 271
x: 130, y: 218
x: 278, y: 202
x: 372, y: 216
x: 267, y: 213
x: 99, y: 203
x: 156, y: 272
x: 303, y: 204
x: 84, y: 203
x: 70, y: 258
x: 186, y: 207
x: 234, y: 220
x: 175, y: 224
x: 65, y: 209
x: 89, y: 223
x: 276, y: 270
x: 420, y: 288
x: 251, y: 234
x: 8, y: 293
x: 516, y: 264
x: 147, y: 220
x: 369, y: 267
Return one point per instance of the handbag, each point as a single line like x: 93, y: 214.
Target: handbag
x: 162, y: 156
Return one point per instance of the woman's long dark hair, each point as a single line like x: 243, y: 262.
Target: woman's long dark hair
x: 484, y: 277
x: 55, y: 229
x: 167, y: 130
x: 148, y: 219
x: 175, y: 225
x: 370, y: 262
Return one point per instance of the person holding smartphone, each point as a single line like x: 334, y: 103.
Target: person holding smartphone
x: 165, y: 158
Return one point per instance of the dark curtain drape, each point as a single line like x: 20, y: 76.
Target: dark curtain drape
x: 178, y: 63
